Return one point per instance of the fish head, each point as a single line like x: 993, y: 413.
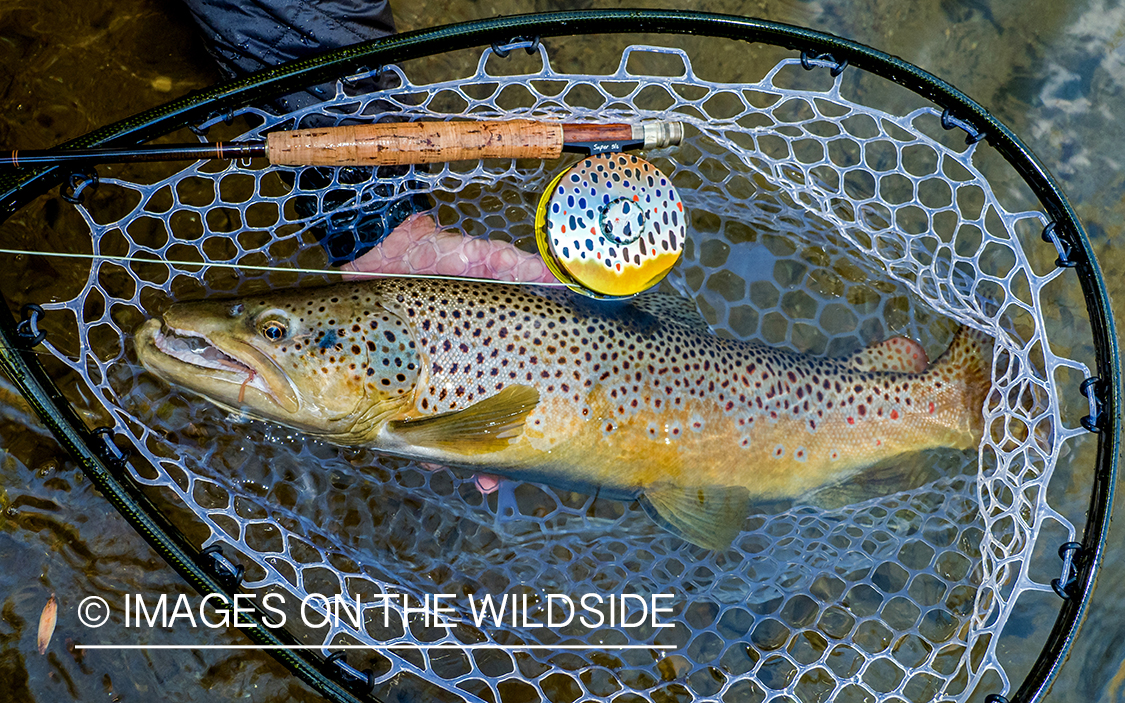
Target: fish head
x: 335, y: 362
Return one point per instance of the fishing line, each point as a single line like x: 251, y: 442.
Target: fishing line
x: 171, y: 263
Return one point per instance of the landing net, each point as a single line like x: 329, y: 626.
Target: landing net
x: 818, y: 224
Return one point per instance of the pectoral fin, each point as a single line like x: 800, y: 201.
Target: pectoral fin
x: 710, y: 516
x: 481, y: 428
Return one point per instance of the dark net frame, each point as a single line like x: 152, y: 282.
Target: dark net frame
x: 103, y: 460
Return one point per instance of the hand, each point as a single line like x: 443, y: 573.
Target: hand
x: 418, y: 247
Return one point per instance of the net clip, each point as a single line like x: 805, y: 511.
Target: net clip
x: 76, y: 183
x: 355, y: 80
x: 353, y: 678
x: 212, y: 117
x: 1092, y: 388
x: 227, y: 571
x: 28, y: 328
x: 1070, y: 553
x: 973, y: 135
x: 1051, y: 236
x: 530, y: 45
x: 117, y: 455
x: 810, y: 61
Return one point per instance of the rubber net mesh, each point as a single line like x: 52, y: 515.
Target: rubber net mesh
x: 818, y: 224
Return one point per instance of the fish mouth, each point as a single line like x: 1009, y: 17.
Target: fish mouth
x: 220, y: 371
x: 196, y: 350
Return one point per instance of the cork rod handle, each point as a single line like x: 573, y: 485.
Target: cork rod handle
x: 403, y: 143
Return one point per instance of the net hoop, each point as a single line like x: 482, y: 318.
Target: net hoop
x: 101, y: 459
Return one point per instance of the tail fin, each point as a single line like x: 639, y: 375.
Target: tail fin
x: 966, y: 368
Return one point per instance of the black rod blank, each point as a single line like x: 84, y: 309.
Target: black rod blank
x: 157, y: 152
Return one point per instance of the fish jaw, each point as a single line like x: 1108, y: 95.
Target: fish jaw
x: 340, y: 365
x: 222, y: 370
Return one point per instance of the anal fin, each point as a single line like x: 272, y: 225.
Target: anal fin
x: 482, y: 428
x: 709, y: 516
x: 897, y: 354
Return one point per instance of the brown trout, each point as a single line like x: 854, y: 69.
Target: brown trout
x: 635, y: 400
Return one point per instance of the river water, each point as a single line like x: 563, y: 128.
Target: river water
x: 1052, y: 70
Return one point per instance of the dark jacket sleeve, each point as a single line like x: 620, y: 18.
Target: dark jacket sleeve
x: 246, y: 36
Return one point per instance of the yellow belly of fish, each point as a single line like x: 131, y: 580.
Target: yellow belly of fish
x: 698, y: 446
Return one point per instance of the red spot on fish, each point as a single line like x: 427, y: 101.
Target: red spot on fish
x: 851, y: 420
x: 681, y: 206
x: 894, y: 414
x: 563, y: 229
x: 932, y: 408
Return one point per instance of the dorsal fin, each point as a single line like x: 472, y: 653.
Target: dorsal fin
x: 668, y: 307
x: 895, y: 354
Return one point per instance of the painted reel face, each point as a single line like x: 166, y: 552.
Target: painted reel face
x: 611, y: 226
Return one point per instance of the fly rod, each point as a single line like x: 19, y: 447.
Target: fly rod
x: 388, y: 144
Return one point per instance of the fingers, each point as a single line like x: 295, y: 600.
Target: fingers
x: 418, y: 247
x: 485, y: 483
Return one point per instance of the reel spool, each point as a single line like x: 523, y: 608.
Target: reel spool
x: 610, y: 226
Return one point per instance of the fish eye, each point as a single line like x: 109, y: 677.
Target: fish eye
x: 273, y: 330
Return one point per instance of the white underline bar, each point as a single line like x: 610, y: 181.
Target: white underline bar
x: 509, y: 648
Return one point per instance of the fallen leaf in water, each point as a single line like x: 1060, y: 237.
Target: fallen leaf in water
x: 47, y: 623
x: 196, y: 431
